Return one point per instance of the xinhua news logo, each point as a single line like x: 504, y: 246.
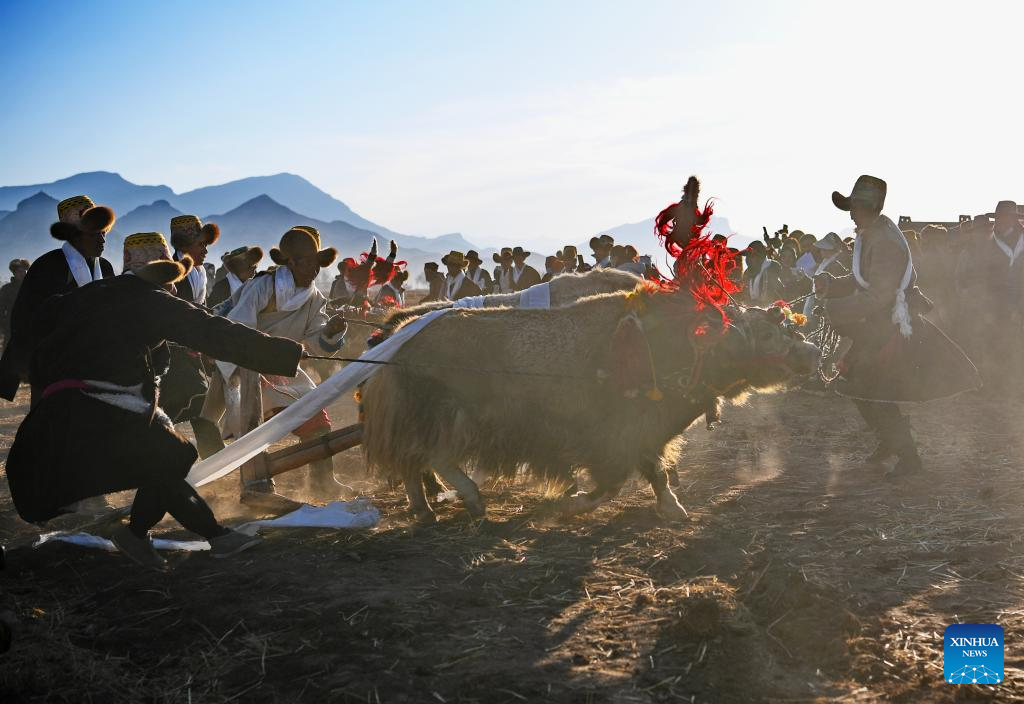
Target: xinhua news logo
x: 972, y: 653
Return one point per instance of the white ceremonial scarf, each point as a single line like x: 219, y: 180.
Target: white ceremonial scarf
x: 477, y: 278
x: 900, y: 312
x: 517, y: 273
x: 286, y: 295
x: 505, y: 281
x: 197, y: 277
x: 234, y: 283
x: 453, y: 284
x: 806, y: 263
x: 79, y: 267
x: 1011, y: 253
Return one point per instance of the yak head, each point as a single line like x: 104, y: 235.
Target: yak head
x: 731, y: 350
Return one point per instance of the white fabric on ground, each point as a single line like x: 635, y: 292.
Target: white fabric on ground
x: 358, y: 513
x: 259, y: 439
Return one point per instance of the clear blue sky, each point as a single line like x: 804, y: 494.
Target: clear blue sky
x: 538, y: 122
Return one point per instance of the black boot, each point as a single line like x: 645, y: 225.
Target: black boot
x: 208, y: 439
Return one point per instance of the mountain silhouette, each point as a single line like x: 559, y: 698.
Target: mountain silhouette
x: 103, y: 187
x: 290, y: 190
x: 155, y: 217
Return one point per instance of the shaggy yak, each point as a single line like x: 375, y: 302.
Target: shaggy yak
x: 607, y: 384
x: 563, y: 290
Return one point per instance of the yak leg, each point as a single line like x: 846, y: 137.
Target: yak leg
x: 584, y: 502
x: 668, y: 505
x: 467, y: 488
x: 418, y: 505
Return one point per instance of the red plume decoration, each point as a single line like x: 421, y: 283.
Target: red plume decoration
x: 702, y: 265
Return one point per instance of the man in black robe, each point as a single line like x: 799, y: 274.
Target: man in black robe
x: 97, y: 427
x: 523, y: 275
x: 83, y: 227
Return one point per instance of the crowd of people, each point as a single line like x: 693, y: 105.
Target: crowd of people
x: 174, y: 339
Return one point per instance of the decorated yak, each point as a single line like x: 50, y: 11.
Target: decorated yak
x: 607, y: 384
x: 560, y: 291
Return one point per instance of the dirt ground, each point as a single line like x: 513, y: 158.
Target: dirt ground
x: 800, y: 576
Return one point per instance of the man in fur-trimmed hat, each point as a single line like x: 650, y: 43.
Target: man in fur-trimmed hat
x: 83, y: 227
x: 98, y: 427
x: 240, y: 264
x: 189, y: 236
x: 9, y: 293
x: 284, y: 302
x: 896, y: 355
x: 183, y: 389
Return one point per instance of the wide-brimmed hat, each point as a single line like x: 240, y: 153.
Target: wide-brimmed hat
x: 146, y: 255
x: 601, y: 241
x: 554, y: 264
x: 79, y: 214
x: 520, y: 252
x: 432, y: 266
x: 473, y: 257
x: 504, y: 255
x: 1007, y: 207
x: 568, y: 253
x: 250, y: 255
x: 868, y: 191
x: 19, y: 264
x: 186, y: 229
x: 298, y: 243
x: 455, y: 258
x: 830, y: 243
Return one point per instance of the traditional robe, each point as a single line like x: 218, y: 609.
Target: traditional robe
x: 460, y: 286
x: 435, y: 283
x: 49, y: 275
x: 303, y: 320
x: 503, y: 280
x: 763, y: 282
x: 481, y: 278
x: 100, y: 351
x: 897, y: 355
x: 389, y: 290
x: 185, y: 385
x: 8, y: 294
x: 989, y: 280
x: 525, y: 277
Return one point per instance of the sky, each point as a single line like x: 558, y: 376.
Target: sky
x: 530, y: 122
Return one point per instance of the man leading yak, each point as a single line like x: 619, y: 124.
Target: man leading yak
x: 896, y: 354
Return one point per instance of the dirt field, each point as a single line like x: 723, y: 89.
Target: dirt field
x: 800, y: 576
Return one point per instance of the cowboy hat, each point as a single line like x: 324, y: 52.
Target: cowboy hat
x: 454, y: 258
x: 568, y: 253
x: 830, y: 243
x: 298, y: 243
x: 1007, y: 208
x: 868, y: 191
x: 186, y: 229
x: 473, y: 257
x: 19, y: 264
x: 79, y: 214
x: 601, y: 241
x: 505, y: 255
x: 520, y: 252
x: 146, y: 256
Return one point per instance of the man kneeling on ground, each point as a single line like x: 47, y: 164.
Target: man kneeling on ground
x: 98, y: 428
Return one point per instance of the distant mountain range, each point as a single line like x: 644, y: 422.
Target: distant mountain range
x: 250, y: 211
